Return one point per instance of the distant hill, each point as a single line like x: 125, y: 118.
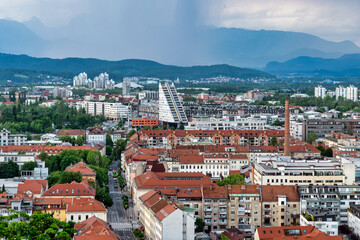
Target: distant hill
x: 124, y: 68
x: 348, y: 65
x: 84, y: 37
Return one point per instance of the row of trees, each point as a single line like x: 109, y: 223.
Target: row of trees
x: 35, y: 119
x: 19, y: 225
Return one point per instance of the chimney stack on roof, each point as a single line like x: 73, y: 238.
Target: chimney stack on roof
x: 287, y: 129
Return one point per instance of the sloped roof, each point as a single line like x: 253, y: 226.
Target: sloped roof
x: 270, y: 193
x: 70, y: 189
x: 86, y: 205
x: 71, y: 132
x: 81, y: 167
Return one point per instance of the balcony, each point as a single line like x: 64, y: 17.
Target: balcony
x: 244, y: 226
x: 207, y: 222
x: 222, y: 222
x: 223, y: 203
x: 207, y: 209
x: 223, y: 210
x: 208, y: 216
x: 223, y: 216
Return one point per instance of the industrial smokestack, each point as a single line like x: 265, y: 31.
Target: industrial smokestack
x: 287, y: 129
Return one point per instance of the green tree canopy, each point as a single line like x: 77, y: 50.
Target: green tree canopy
x: 235, y: 179
x: 311, y: 137
x: 29, y: 166
x: 37, y: 226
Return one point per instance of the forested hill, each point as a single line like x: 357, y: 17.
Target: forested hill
x: 123, y: 68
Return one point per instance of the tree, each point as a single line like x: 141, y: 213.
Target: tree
x: 273, y: 141
x: 109, y: 141
x: 278, y: 123
x: 21, y: 152
x: 235, y: 179
x: 182, y: 127
x: 3, y: 189
x: 199, y: 225
x: 79, y: 140
x: 19, y: 225
x: 43, y: 156
x: 63, y: 177
x: 29, y: 166
x: 132, y: 132
x: 328, y: 152
x: 311, y: 137
x: 9, y: 170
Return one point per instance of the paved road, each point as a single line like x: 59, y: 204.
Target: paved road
x: 116, y: 214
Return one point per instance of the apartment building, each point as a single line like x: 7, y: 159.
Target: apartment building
x: 292, y: 233
x: 244, y: 207
x: 296, y: 129
x: 221, y: 137
x: 223, y: 124
x: 163, y: 219
x: 170, y: 106
x: 95, y: 135
x: 142, y: 122
x: 354, y: 218
x: 320, y: 92
x: 6, y: 138
x: 171, y: 184
x: 81, y: 209
x: 333, y: 198
x: 325, y: 220
x: 324, y: 127
x: 280, y: 205
x: 290, y: 172
x: 215, y: 208
x: 112, y: 110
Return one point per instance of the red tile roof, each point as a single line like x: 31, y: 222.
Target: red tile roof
x: 244, y: 189
x: 70, y: 189
x: 95, y: 229
x: 71, y: 132
x: 159, y: 205
x: 215, y: 191
x: 305, y: 232
x: 85, y: 205
x: 150, y: 180
x: 35, y: 188
x: 43, y: 148
x: 270, y: 193
x: 43, y: 182
x: 81, y: 167
x: 191, y: 159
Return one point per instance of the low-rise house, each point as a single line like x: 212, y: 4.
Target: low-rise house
x: 95, y: 135
x: 80, y: 209
x: 35, y: 187
x: 71, y: 133
x: 95, y: 229
x: 86, y: 172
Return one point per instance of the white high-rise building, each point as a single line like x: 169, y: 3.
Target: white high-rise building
x: 320, y: 91
x: 170, y: 107
x: 352, y: 93
x: 341, y: 92
x: 126, y: 86
x: 100, y: 82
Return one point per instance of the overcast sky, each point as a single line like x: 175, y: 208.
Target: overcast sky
x: 331, y: 19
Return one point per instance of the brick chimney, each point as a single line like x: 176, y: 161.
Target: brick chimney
x: 287, y: 129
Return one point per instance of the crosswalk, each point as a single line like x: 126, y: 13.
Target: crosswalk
x: 121, y: 226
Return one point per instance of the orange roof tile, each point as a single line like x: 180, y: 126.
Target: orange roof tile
x: 71, y: 132
x: 70, y: 189
x: 215, y: 191
x: 81, y: 167
x: 305, y: 232
x: 191, y: 159
x: 85, y: 205
x: 270, y: 193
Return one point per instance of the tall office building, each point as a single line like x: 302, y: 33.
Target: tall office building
x: 170, y: 107
x: 352, y: 93
x: 320, y: 91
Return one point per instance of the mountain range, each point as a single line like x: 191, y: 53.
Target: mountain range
x: 346, y: 65
x: 175, y: 46
x: 118, y: 69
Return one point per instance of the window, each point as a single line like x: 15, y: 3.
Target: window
x: 79, y: 217
x: 87, y: 216
x: 72, y: 217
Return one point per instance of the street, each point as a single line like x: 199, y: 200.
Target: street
x: 116, y: 214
